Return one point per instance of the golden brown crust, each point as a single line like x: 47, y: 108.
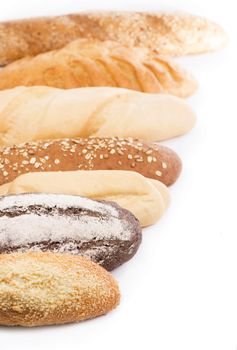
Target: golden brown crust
x: 47, y: 288
x: 87, y: 62
x: 171, y: 34
x: 149, y: 159
x: 42, y: 113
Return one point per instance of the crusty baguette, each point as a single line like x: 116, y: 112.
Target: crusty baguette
x: 169, y: 33
x: 41, y: 113
x: 87, y: 62
x: 39, y: 289
x: 149, y: 159
x: 147, y: 199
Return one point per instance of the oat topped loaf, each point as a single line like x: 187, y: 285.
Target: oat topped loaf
x: 106, y: 153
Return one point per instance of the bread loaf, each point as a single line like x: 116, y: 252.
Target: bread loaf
x: 146, y: 199
x: 149, y: 159
x: 169, y: 33
x: 41, y: 113
x: 39, y: 289
x: 99, y: 230
x: 95, y: 63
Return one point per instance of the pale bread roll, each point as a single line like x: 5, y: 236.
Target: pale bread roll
x: 39, y: 113
x: 129, y: 189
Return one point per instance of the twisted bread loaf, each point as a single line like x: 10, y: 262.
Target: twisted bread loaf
x: 39, y: 289
x: 169, y: 33
x: 146, y: 199
x: 93, y: 63
x: 39, y: 113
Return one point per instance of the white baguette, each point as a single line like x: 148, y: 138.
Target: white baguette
x: 39, y: 113
x: 146, y: 199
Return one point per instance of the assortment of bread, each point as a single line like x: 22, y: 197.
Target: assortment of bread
x: 84, y: 99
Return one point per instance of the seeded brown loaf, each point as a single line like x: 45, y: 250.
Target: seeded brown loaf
x: 38, y: 289
x: 169, y: 33
x: 42, y: 113
x: 149, y: 159
x: 94, y: 63
x: 102, y: 231
x: 146, y: 198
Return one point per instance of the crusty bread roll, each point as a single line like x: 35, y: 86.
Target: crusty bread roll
x: 87, y: 62
x: 39, y: 289
x: 39, y: 113
x: 149, y: 159
x: 129, y: 189
x: 169, y: 33
x: 102, y: 231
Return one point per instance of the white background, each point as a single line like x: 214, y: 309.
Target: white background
x: 179, y: 292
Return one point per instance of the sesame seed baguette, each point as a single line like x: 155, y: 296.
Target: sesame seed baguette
x: 132, y: 191
x: 38, y: 289
x: 149, y: 159
x: 86, y: 62
x: 169, y: 33
x: 41, y: 113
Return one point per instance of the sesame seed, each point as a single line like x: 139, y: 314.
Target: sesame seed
x: 133, y: 165
x: 88, y: 156
x: 46, y: 157
x: 1, y: 166
x: 119, y: 162
x: 149, y: 151
x: 164, y: 165
x: 37, y: 165
x: 154, y: 159
x: 112, y: 151
x: 84, y: 151
x: 149, y: 159
x: 25, y: 162
x: 32, y: 160
x: 5, y: 173
x: 158, y: 173
x: 129, y: 156
x: 57, y: 161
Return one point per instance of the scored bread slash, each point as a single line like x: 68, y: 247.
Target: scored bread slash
x: 87, y: 62
x: 149, y: 159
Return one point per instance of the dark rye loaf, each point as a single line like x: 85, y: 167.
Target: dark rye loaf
x: 99, y: 230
